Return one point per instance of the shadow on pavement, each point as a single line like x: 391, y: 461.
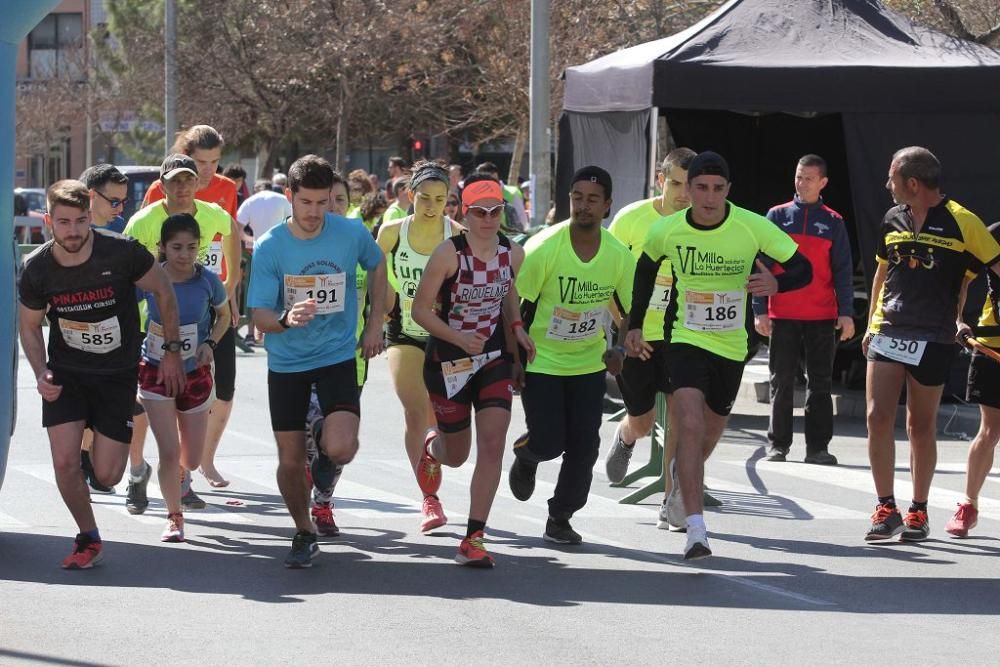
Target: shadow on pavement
x: 251, y: 567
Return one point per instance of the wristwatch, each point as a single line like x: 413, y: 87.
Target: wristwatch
x: 283, y: 320
x: 173, y: 346
x: 211, y: 343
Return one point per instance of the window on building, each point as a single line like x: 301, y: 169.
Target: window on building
x: 55, y: 47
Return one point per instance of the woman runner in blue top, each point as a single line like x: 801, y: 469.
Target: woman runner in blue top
x: 179, y: 423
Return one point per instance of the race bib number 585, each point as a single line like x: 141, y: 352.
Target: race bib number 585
x: 97, y: 337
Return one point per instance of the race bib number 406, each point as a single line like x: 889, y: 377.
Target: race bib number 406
x: 96, y: 337
x: 714, y: 311
x: 155, y: 341
x: 327, y: 289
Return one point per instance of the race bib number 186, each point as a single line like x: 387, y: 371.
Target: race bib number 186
x: 714, y: 311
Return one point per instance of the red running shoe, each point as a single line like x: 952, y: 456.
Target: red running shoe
x: 428, y: 469
x: 322, y: 516
x: 472, y: 552
x: 965, y: 519
x: 433, y: 515
x: 86, y: 554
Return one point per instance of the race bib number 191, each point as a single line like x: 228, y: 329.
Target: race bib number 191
x: 714, y: 311
x: 327, y: 289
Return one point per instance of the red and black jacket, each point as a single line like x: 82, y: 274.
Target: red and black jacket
x: 822, y: 238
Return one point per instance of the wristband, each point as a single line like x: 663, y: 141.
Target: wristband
x: 283, y: 320
x: 515, y: 324
x: 620, y: 349
x: 211, y: 343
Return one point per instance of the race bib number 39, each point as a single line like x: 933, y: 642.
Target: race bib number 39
x: 213, y: 259
x: 908, y: 352
x: 96, y: 337
x: 155, y: 341
x: 714, y: 311
x: 328, y: 290
x: 568, y: 325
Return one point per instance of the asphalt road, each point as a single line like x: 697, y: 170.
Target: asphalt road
x: 791, y: 582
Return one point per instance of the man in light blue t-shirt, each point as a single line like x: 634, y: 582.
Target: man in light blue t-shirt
x: 302, y: 294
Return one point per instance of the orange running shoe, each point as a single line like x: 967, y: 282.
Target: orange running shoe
x: 428, y: 469
x: 174, y: 532
x: 965, y: 519
x: 86, y: 554
x: 322, y: 516
x: 472, y: 552
x: 433, y: 514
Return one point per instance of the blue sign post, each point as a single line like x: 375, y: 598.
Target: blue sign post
x: 20, y: 16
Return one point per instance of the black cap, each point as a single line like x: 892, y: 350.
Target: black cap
x: 176, y: 164
x: 708, y: 164
x: 594, y: 175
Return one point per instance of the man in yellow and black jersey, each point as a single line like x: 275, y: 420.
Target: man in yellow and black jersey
x: 925, y: 246
x: 982, y: 387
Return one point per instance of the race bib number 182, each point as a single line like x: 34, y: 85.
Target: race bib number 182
x: 568, y: 325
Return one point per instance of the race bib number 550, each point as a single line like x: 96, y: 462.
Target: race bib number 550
x: 328, y: 290
x: 908, y: 352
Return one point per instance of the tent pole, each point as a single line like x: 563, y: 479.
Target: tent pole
x: 654, y: 123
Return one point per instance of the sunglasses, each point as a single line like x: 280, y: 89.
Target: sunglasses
x: 115, y: 203
x: 484, y: 212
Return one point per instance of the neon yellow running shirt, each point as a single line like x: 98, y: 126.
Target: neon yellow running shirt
x: 710, y: 267
x: 571, y: 315
x: 630, y: 226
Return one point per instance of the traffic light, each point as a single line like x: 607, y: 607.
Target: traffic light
x: 420, y: 145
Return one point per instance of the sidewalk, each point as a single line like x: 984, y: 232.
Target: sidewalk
x: 955, y: 420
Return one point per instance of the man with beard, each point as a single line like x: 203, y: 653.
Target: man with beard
x: 571, y: 272
x: 84, y: 282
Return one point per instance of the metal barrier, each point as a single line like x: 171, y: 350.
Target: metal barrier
x: 656, y: 466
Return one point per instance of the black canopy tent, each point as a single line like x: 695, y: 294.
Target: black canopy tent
x: 766, y: 81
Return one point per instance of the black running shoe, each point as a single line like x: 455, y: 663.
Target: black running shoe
x: 88, y: 472
x: 560, y: 532
x: 304, y: 547
x: 136, y: 500
x: 886, y: 524
x: 916, y: 526
x: 777, y: 454
x: 522, y: 478
x: 821, y: 458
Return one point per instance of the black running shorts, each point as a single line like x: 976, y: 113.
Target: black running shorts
x: 288, y: 394
x: 934, y: 367
x: 105, y: 403
x: 640, y: 380
x: 983, y: 386
x: 718, y: 378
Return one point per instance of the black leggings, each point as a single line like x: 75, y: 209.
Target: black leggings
x: 564, y: 416
x: 225, y: 366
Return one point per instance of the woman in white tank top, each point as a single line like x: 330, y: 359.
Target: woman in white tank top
x: 408, y: 244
